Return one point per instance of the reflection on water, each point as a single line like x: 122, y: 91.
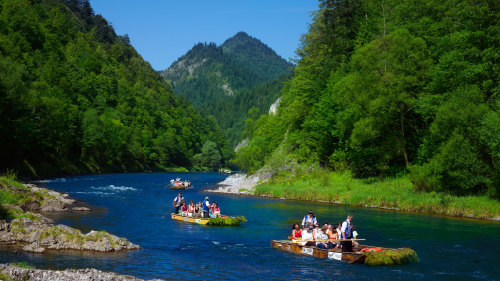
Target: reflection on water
x: 132, y: 206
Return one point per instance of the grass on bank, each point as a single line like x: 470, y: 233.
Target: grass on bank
x: 396, y: 193
x: 22, y: 264
x: 15, y: 196
x: 10, y: 196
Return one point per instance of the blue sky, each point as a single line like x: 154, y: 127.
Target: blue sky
x: 163, y: 30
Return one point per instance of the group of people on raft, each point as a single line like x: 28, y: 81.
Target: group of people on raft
x: 327, y: 235
x: 198, y: 210
x: 178, y: 182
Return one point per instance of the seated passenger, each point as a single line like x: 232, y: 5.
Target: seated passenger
x: 333, y: 235
x: 216, y: 210
x: 296, y: 232
x: 317, y: 232
x: 197, y: 210
x: 184, y: 208
x: 190, y: 208
x: 307, y: 236
x: 339, y: 230
x: 323, y: 244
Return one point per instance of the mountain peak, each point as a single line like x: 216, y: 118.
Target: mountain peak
x: 242, y: 38
x: 242, y: 34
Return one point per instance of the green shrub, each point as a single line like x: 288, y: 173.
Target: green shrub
x: 391, y: 257
x: 226, y: 221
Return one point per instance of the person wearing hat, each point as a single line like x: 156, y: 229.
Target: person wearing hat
x: 309, y: 219
x: 206, y: 208
x: 177, y: 202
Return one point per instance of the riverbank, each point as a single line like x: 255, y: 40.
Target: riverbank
x: 341, y: 188
x: 13, y: 272
x: 238, y: 184
x: 20, y: 226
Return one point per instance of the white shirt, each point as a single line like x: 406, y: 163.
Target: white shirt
x: 344, y: 226
x: 310, y: 220
x: 317, y: 234
x: 178, y: 200
x: 306, y: 235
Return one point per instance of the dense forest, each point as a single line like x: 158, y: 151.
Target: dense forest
x: 227, y: 81
x: 77, y: 98
x: 392, y: 88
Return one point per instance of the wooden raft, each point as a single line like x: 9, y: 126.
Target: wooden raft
x: 332, y: 254
x: 197, y: 220
x: 394, y: 256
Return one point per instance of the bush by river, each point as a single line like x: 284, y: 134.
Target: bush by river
x: 394, y: 193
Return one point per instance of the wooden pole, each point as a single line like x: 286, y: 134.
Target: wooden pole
x: 168, y: 212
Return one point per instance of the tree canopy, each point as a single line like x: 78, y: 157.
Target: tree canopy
x: 75, y: 97
x: 392, y: 88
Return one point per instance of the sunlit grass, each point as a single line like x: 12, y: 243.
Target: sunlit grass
x: 395, y: 193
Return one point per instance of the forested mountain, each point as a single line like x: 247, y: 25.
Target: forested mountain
x: 393, y: 88
x: 226, y: 81
x: 76, y: 98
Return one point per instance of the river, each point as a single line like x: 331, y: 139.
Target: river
x: 132, y: 205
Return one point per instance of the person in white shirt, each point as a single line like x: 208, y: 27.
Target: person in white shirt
x: 206, y: 208
x: 346, y: 233
x: 177, y: 202
x: 309, y: 219
x: 307, y: 236
x: 339, y: 231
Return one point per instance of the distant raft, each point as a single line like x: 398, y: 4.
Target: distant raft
x: 220, y: 221
x: 178, y: 187
x: 362, y: 254
x: 177, y: 184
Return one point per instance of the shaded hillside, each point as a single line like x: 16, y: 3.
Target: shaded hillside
x: 77, y: 98
x: 227, y: 80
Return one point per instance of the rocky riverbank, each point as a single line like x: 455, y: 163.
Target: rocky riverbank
x: 38, y: 199
x: 19, y: 273
x: 20, y: 226
x: 37, y: 233
x: 238, y: 184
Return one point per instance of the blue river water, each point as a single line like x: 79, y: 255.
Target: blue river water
x: 132, y: 206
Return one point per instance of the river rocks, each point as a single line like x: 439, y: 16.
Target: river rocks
x: 238, y: 184
x: 86, y: 274
x: 80, y: 209
x: 53, y: 201
x: 42, y: 199
x: 34, y: 247
x: 38, y: 233
x: 53, y: 205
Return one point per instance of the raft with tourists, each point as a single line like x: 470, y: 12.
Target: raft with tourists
x: 339, y: 243
x: 205, y: 213
x: 221, y: 220
x: 178, y: 184
x: 360, y: 255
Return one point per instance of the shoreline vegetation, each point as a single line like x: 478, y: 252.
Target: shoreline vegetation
x: 396, y: 193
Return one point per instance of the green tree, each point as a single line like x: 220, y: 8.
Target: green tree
x: 210, y: 155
